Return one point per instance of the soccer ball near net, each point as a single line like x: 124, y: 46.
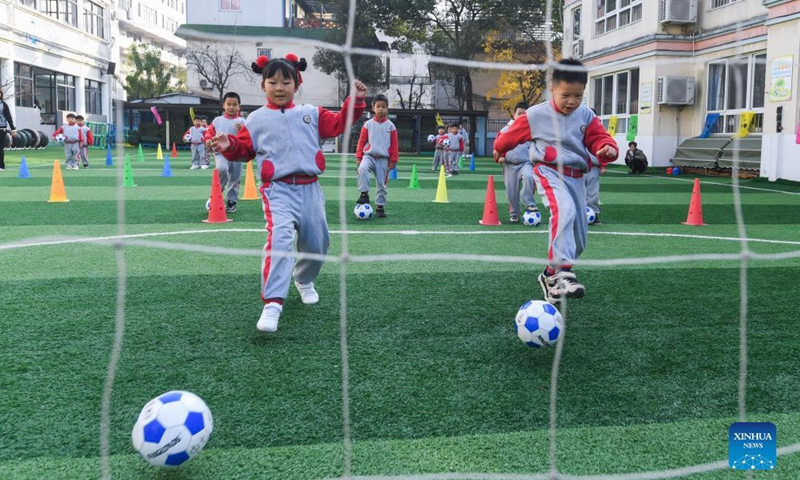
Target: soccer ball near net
x: 591, y: 216
x: 187, y: 138
x: 431, y: 138
x: 172, y: 428
x: 531, y: 219
x: 538, y: 324
x: 446, y: 142
x: 60, y: 138
x: 363, y: 211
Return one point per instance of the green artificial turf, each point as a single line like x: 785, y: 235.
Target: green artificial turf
x: 438, y: 380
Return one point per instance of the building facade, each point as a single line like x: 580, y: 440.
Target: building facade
x: 152, y: 22
x: 55, y: 58
x: 677, y: 63
x: 260, y: 27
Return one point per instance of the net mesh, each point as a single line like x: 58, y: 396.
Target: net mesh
x: 121, y: 240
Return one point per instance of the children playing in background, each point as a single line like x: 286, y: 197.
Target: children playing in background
x: 206, y: 161
x: 377, y: 154
x: 88, y: 139
x: 284, y: 138
x: 230, y: 173
x: 440, y: 153
x: 194, y: 136
x: 73, y: 137
x: 562, y: 158
x: 518, y: 168
x: 455, y: 149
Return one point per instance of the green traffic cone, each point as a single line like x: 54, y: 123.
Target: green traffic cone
x: 460, y: 162
x: 128, y: 175
x: 141, y: 153
x: 414, y: 183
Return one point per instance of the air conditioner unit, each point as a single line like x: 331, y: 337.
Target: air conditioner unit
x: 678, y: 12
x: 205, y: 85
x: 577, y: 49
x: 675, y: 91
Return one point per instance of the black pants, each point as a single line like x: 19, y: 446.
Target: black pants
x: 636, y: 165
x: 2, y: 148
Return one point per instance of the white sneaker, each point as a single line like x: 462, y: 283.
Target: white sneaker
x: 307, y: 292
x: 269, y: 317
x: 204, y: 167
x: 193, y: 167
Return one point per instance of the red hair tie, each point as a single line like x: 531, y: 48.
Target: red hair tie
x: 262, y: 61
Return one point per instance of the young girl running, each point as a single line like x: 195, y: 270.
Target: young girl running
x: 284, y: 139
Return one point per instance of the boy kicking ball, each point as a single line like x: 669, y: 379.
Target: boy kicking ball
x: 559, y: 172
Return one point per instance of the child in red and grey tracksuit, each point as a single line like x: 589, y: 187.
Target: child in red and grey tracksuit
x: 229, y: 172
x: 194, y: 136
x: 455, y: 149
x: 559, y: 173
x: 377, y: 153
x: 73, y: 137
x: 284, y: 139
x: 88, y: 139
x: 440, y: 155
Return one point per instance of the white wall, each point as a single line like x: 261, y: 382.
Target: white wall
x: 257, y: 13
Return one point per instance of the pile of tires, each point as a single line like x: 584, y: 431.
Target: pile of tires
x: 26, y: 139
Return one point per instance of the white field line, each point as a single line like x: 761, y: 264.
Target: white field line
x: 706, y: 182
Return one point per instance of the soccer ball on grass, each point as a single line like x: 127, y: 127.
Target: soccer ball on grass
x: 538, y: 324
x: 172, y: 428
x: 363, y: 211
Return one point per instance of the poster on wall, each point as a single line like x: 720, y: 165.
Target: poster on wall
x: 646, y: 98
x: 780, y: 85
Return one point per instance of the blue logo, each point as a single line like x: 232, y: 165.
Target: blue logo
x: 752, y: 446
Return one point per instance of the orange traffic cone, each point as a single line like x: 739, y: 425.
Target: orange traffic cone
x: 490, y: 217
x: 695, y: 217
x: 250, y: 190
x: 216, y: 214
x: 174, y: 150
x: 57, y: 192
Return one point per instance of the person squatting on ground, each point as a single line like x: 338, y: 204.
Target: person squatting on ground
x: 376, y: 154
x: 284, y: 138
x: 559, y: 173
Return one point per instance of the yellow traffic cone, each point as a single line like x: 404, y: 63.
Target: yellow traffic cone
x: 441, y: 190
x: 250, y: 190
x: 57, y: 192
x: 159, y: 153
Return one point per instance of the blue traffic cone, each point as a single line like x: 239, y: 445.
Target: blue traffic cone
x: 167, y: 172
x: 109, y: 158
x: 393, y: 174
x: 23, y: 169
x: 471, y: 162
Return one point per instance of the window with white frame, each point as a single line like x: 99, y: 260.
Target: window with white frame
x: 148, y: 14
x: 613, y: 14
x: 23, y: 85
x: 230, y: 5
x: 94, y: 97
x: 264, y: 51
x: 722, y: 3
x: 94, y: 18
x: 617, y: 94
x: 64, y: 10
x: 576, y: 33
x: 737, y: 85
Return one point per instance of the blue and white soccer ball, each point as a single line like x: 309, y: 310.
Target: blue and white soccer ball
x: 187, y: 138
x: 531, y: 219
x: 172, y: 429
x: 591, y: 216
x: 363, y: 211
x: 446, y: 142
x: 60, y: 138
x: 208, y: 205
x: 431, y: 138
x: 538, y: 324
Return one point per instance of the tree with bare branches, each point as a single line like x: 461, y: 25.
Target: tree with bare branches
x: 218, y: 64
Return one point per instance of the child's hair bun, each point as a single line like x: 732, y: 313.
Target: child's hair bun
x: 260, y: 63
x: 299, y: 63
